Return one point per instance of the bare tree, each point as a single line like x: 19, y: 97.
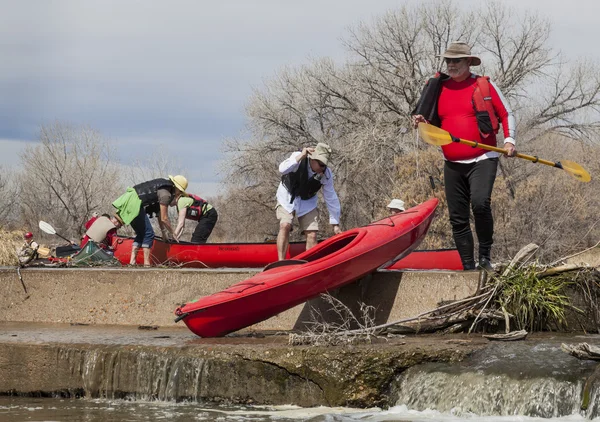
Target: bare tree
x: 8, y: 193
x: 67, y: 176
x: 362, y: 108
x: 158, y: 162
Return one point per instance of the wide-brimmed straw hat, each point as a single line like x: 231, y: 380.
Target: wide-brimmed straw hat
x: 397, y: 204
x: 321, y: 153
x: 179, y: 181
x: 461, y: 50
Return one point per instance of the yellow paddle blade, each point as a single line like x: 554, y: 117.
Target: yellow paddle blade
x: 576, y: 171
x: 434, y: 135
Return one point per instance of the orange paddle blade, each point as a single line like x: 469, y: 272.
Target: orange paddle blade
x: 576, y: 171
x: 434, y: 135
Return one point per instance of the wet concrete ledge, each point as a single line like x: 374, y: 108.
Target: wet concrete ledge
x: 171, y: 364
x: 150, y: 296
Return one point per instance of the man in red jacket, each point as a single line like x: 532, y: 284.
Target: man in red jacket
x: 470, y: 107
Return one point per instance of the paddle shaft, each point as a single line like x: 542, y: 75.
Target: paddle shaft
x: 531, y: 158
x: 62, y: 237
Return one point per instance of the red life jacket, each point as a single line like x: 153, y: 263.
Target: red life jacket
x: 487, y: 119
x: 197, y: 209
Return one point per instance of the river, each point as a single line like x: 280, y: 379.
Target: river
x: 14, y: 409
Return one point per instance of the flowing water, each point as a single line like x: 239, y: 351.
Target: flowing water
x: 531, y: 380
x: 16, y: 409
x: 512, y: 378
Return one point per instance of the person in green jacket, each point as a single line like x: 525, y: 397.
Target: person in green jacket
x: 143, y: 200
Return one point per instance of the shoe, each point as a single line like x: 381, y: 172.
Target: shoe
x: 467, y: 266
x: 485, y: 264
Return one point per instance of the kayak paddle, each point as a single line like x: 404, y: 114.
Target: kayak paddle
x: 47, y: 228
x: 435, y: 136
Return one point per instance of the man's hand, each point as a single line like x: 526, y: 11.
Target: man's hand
x: 510, y: 149
x: 305, y: 152
x: 418, y: 118
x: 336, y: 229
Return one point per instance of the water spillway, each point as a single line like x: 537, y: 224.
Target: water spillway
x: 173, y: 365
x: 534, y: 379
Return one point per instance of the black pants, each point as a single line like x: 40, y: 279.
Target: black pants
x: 205, y: 226
x: 470, y: 186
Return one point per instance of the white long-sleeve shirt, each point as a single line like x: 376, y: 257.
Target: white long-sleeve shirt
x: 304, y: 206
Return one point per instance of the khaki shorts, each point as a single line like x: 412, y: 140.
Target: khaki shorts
x: 308, y: 221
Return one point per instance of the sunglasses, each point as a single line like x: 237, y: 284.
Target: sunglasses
x: 453, y: 60
x: 321, y: 164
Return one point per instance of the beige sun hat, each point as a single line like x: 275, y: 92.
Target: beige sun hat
x: 396, y: 204
x: 461, y: 50
x: 179, y: 181
x: 321, y: 153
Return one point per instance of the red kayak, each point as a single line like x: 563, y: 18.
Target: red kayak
x: 333, y: 263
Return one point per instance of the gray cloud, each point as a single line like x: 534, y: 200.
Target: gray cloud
x: 180, y: 72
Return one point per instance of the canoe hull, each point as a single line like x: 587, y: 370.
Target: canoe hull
x: 430, y: 260
x: 209, y: 255
x: 258, y: 255
x: 331, y: 264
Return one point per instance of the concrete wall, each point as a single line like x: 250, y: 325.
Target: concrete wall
x: 150, y: 296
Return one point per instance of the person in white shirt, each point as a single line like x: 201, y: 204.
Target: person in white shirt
x: 303, y: 175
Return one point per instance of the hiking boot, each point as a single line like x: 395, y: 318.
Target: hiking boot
x: 485, y: 264
x: 469, y: 265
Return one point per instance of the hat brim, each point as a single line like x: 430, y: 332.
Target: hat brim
x: 476, y: 61
x: 318, y: 157
x: 177, y: 185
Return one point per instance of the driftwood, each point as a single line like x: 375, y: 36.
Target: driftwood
x: 512, y: 336
x: 450, y: 317
x: 430, y: 324
x: 522, y: 256
x: 585, y: 351
x: 575, y: 254
x: 558, y: 270
x: 582, y: 351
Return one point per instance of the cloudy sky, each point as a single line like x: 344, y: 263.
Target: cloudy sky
x: 177, y: 74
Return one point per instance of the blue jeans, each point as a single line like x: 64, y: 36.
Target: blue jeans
x: 144, y: 234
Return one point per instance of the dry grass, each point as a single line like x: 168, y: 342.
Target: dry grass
x: 10, y: 241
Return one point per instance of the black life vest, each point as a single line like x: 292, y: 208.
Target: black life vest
x: 197, y: 209
x: 427, y: 106
x: 148, y: 194
x: 299, y: 184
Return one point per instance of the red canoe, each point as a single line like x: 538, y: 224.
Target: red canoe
x: 258, y: 255
x: 208, y: 255
x: 430, y: 260
x: 333, y: 263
